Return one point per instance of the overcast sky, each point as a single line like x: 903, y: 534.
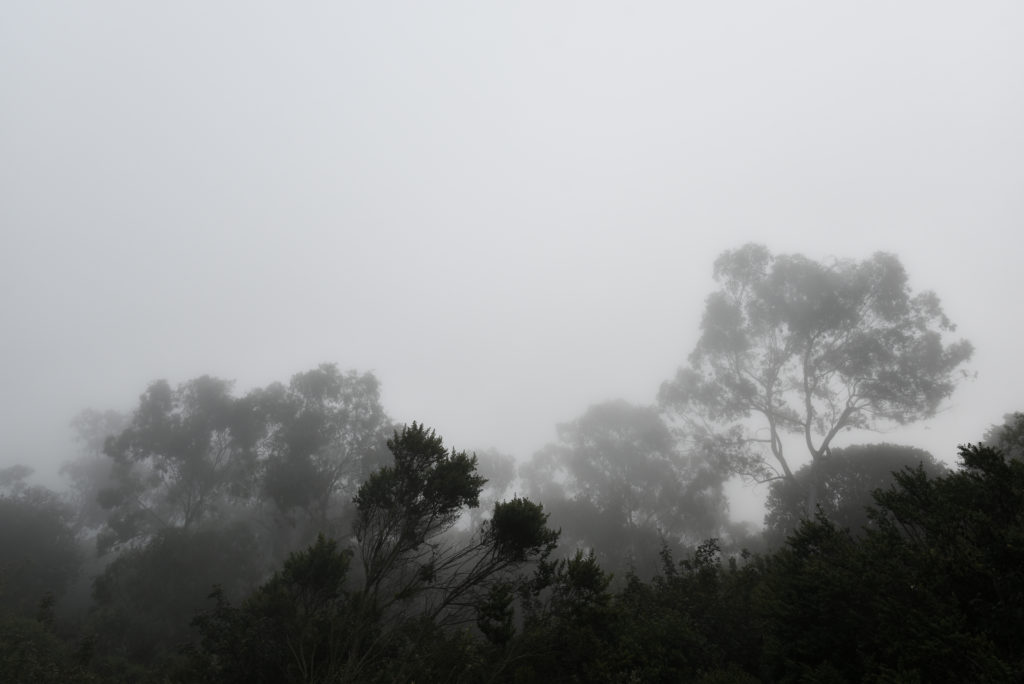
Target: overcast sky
x: 507, y: 211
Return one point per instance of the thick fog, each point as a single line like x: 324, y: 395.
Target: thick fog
x: 506, y: 213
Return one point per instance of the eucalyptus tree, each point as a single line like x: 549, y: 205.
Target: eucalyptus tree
x: 812, y: 349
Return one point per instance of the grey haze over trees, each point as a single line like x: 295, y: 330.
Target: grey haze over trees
x: 92, y: 471
x: 617, y: 483
x: 200, y: 486
x: 810, y: 348
x: 198, y: 452
x: 186, y: 453
x: 324, y: 433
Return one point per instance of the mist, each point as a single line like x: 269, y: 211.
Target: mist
x: 504, y: 221
x: 506, y: 214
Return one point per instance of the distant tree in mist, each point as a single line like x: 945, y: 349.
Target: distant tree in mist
x: 846, y: 483
x: 198, y: 452
x: 616, y: 483
x: 1008, y: 437
x: 92, y: 471
x: 201, y: 486
x: 811, y: 349
x: 185, y: 454
x: 39, y: 554
x: 323, y: 434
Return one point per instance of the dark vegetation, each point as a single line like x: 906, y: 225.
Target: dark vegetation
x: 295, y: 534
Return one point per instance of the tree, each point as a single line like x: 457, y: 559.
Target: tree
x: 92, y: 471
x: 325, y: 433
x: 846, y: 482
x: 39, y: 554
x: 811, y: 349
x: 695, y: 616
x: 185, y: 453
x: 569, y: 625
x: 403, y: 513
x: 198, y: 451
x: 32, y: 651
x: 372, y: 613
x: 933, y: 591
x: 617, y: 484
x: 146, y: 597
x: 1008, y: 437
x: 291, y: 629
x: 962, y: 535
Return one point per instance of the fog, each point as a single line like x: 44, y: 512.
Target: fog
x: 506, y: 213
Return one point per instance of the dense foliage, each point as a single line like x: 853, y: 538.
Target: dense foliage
x: 928, y: 587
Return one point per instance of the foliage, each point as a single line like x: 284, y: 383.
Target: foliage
x: 616, y: 483
x: 91, y: 471
x: 289, y: 630
x: 418, y: 589
x: 198, y: 453
x: 933, y: 592
x: 845, y: 481
x: 813, y: 349
x: 404, y: 506
x: 39, y: 555
x: 185, y: 454
x: 325, y: 433
x: 92, y: 429
x: 568, y: 623
x: 966, y: 534
x: 146, y: 597
x: 694, y: 618
x: 1008, y: 437
x: 411, y: 569
x: 32, y: 653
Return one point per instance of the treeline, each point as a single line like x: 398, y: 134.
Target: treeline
x: 207, y: 560
x: 200, y: 487
x: 295, y: 533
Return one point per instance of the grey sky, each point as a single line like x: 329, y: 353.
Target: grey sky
x: 507, y: 212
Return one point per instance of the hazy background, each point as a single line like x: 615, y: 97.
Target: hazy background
x: 507, y: 213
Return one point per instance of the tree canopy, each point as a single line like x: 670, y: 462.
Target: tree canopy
x: 812, y: 348
x: 616, y: 482
x: 185, y: 453
x: 846, y: 482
